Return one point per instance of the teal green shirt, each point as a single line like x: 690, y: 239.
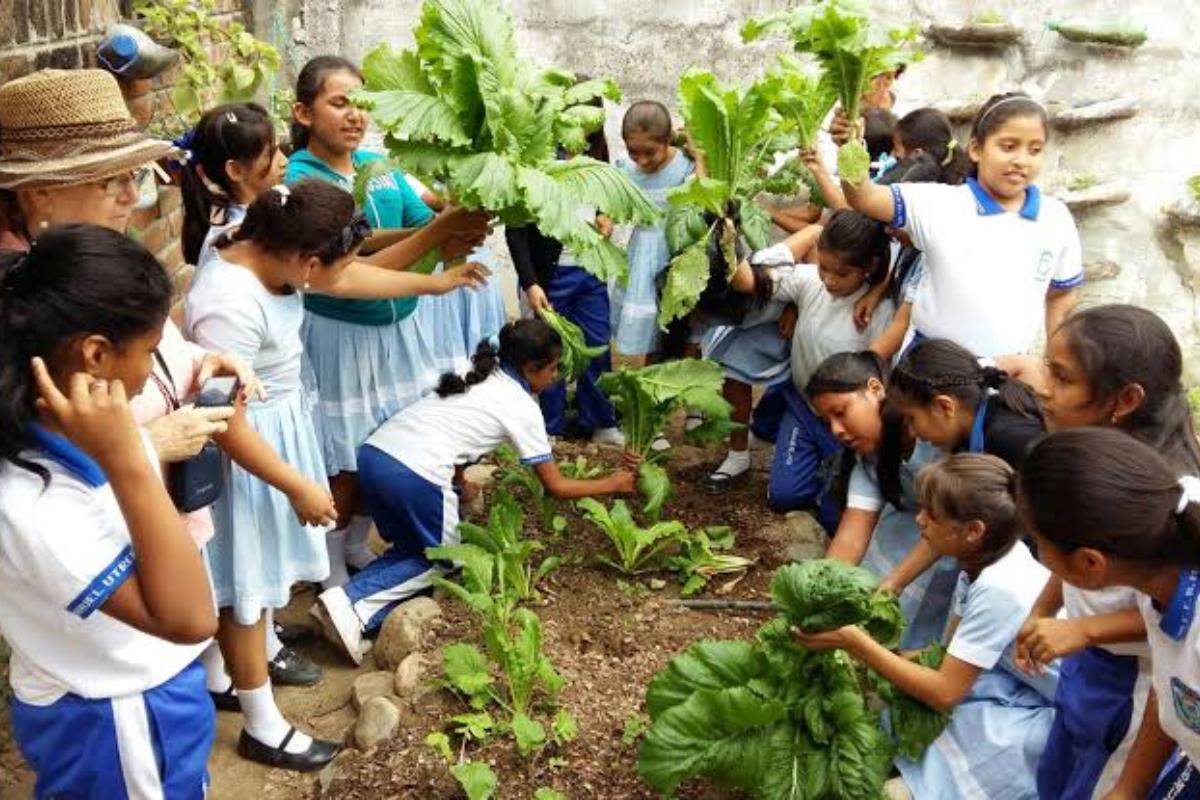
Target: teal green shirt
x: 391, y: 203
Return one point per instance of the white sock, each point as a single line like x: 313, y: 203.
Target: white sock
x: 215, y: 678
x: 273, y: 643
x: 335, y: 546
x: 265, y: 722
x: 358, y: 553
x: 736, y: 462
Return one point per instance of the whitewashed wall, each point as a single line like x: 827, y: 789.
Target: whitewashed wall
x: 646, y: 44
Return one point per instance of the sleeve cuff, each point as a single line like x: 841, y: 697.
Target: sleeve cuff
x: 1069, y: 283
x: 980, y: 657
x: 542, y: 459
x: 900, y: 210
x: 864, y: 502
x: 96, y: 593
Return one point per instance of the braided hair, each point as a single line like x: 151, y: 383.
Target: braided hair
x: 941, y: 367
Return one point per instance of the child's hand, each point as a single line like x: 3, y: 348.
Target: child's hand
x: 458, y: 223
x: 536, y: 297
x: 631, y: 460
x: 624, y: 481
x: 313, y: 504
x: 812, y: 160
x: 1045, y: 639
x: 843, y: 638
x: 228, y: 365
x: 839, y: 127
x: 183, y: 433
x: 864, y: 309
x: 604, y: 226
x: 94, y: 414
x: 787, y: 321
x: 468, y: 275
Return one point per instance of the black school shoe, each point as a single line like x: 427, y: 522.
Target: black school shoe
x: 722, y: 482
x: 226, y: 700
x: 289, y: 668
x: 294, y: 634
x: 318, y: 754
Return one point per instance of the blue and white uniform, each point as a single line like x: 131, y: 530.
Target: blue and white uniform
x: 804, y: 446
x: 925, y: 602
x: 407, y: 474
x: 1174, y: 638
x: 234, y: 214
x: 100, y: 709
x: 260, y: 548
x: 635, y: 307
x: 987, y: 271
x: 991, y: 747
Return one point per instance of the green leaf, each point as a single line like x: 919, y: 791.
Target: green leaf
x: 478, y: 726
x: 609, y: 190
x: 854, y: 163
x: 548, y: 794
x: 756, y: 226
x: 466, y: 669
x: 414, y: 116
x: 577, y: 355
x: 655, y: 485
x: 441, y: 743
x: 386, y: 69
x: 589, y: 90
x: 529, y: 734
x: 590, y: 118
x: 709, y: 664
x: 824, y: 594
x: 476, y: 779
x: 687, y: 277
x: 684, y: 227
x: 564, y: 728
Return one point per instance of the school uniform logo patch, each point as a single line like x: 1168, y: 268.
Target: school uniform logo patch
x: 1187, y: 704
x: 1045, y: 266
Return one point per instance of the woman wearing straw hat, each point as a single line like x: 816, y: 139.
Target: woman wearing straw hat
x: 71, y: 152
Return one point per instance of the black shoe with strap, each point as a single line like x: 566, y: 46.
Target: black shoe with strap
x: 226, y: 700
x: 289, y: 668
x: 722, y: 482
x: 318, y: 754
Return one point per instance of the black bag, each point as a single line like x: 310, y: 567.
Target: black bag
x: 197, y: 482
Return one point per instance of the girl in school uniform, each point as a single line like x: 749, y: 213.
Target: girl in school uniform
x: 1118, y: 366
x: 878, y: 528
x: 411, y: 469
x: 248, y: 300
x: 655, y: 165
x: 999, y: 256
x: 1000, y: 717
x: 104, y: 597
x: 394, y: 361
x: 950, y: 401
x: 851, y: 255
x: 1108, y: 511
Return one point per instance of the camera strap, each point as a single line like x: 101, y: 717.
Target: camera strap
x: 167, y: 387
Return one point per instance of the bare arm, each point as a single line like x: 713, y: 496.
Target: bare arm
x: 800, y: 244
x: 919, y: 559
x: 795, y: 219
x: 888, y: 343
x: 853, y: 535
x: 382, y: 238
x: 834, y: 198
x: 871, y: 199
x: 363, y: 281
x: 558, y: 485
x: 1149, y: 754
x: 1059, y: 303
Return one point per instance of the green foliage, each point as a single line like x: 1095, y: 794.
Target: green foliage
x: 1118, y: 33
x: 702, y: 556
x: 576, y: 354
x: 853, y: 162
x: 824, y: 594
x: 193, y: 29
x: 440, y: 743
x: 477, y: 779
x: 913, y: 724
x: 803, y: 99
x: 522, y: 476
x: 1193, y: 184
x: 544, y: 793
x: 1080, y: 182
x: 581, y: 469
x: 773, y: 718
x: 637, y: 549
x: 464, y: 109
x: 516, y: 572
x: 655, y: 485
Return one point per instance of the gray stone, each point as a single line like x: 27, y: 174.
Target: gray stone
x: 1103, y: 194
x: 409, y: 677
x: 369, y: 685
x: 796, y: 536
x: 406, y: 630
x: 975, y: 34
x: 377, y: 722
x: 1071, y: 119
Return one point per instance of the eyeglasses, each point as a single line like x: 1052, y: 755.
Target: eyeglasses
x: 119, y: 184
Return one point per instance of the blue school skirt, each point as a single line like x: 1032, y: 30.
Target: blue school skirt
x: 635, y: 306
x: 454, y: 324
x: 149, y: 745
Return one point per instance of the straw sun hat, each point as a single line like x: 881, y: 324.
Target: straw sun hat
x: 67, y: 127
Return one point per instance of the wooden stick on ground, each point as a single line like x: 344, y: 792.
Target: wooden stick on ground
x: 726, y: 605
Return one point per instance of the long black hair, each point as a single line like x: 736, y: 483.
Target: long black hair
x: 844, y: 373
x: 78, y: 280
x: 239, y: 132
x: 523, y: 343
x: 935, y: 367
x: 928, y: 131
x: 1100, y: 488
x: 311, y: 217
x: 1119, y: 345
x: 309, y: 84
x: 858, y: 241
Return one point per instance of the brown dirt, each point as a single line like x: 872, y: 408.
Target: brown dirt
x: 606, y: 636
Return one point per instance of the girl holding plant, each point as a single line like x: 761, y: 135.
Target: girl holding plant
x: 1000, y: 716
x: 878, y: 528
x: 999, y: 256
x: 393, y: 363
x: 657, y: 165
x: 411, y: 472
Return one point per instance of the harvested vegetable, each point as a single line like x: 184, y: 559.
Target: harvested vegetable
x: 1116, y: 33
x: 913, y: 725
x: 577, y: 355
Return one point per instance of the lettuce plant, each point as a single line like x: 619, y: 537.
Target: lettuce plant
x: 638, y: 549
x: 464, y: 110
x: 577, y: 355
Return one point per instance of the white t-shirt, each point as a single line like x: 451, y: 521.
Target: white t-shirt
x: 1078, y: 603
x: 825, y: 325
x: 435, y: 434
x: 1175, y: 656
x: 64, y: 550
x: 993, y: 607
x: 987, y: 271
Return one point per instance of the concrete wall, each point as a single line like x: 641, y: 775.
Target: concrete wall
x: 646, y: 45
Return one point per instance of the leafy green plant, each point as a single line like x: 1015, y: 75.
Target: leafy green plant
x: 1193, y: 184
x: 476, y: 779
x: 769, y: 716
x: 577, y: 356
x: 544, y: 793
x: 522, y: 476
x: 913, y: 725
x: 645, y: 398
x: 839, y: 36
x: 824, y: 594
x: 638, y: 549
x: 464, y: 109
x: 701, y: 557
x: 582, y: 469
x: 192, y: 28
x: 513, y: 553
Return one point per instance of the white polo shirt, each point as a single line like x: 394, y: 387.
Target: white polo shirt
x: 1174, y: 640
x: 987, y: 270
x: 435, y: 434
x: 64, y: 550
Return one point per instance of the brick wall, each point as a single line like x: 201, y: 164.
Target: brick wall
x: 63, y: 34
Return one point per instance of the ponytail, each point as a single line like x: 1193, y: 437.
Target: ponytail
x: 1103, y: 489
x: 524, y: 344
x: 483, y: 364
x: 312, y: 217
x: 935, y: 367
x: 928, y: 132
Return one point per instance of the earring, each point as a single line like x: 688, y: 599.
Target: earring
x: 43, y: 225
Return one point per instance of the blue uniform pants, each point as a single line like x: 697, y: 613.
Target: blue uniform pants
x: 807, y: 457
x: 768, y: 413
x: 151, y: 744
x: 581, y: 298
x: 411, y: 513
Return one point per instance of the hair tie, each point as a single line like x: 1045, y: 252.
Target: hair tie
x: 950, y: 146
x: 186, y: 143
x: 992, y: 377
x: 1011, y: 98
x: 1190, y: 492
x: 284, y: 193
